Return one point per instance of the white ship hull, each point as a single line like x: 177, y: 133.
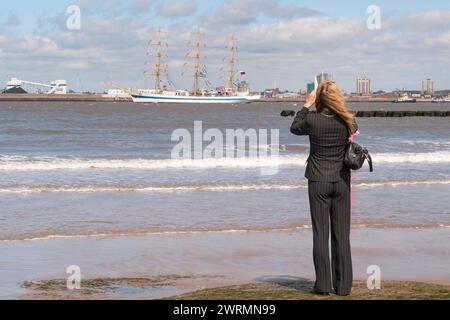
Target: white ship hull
x: 233, y: 94
x: 162, y: 98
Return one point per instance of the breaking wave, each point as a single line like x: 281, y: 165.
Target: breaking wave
x: 19, y: 163
x: 133, y: 233
x: 204, y: 187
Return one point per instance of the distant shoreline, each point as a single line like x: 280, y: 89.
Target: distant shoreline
x: 100, y: 98
x: 58, y: 98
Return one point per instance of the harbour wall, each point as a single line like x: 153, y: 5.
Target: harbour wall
x: 385, y: 114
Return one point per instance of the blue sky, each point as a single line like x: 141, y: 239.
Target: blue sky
x: 29, y: 10
x: 281, y: 41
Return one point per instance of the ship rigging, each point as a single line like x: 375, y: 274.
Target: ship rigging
x: 159, y: 70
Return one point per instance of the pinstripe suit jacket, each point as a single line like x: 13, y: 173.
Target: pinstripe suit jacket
x: 328, y: 136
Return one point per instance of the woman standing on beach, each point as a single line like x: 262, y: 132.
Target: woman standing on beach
x: 329, y: 185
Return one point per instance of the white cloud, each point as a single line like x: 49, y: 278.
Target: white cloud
x: 177, y: 8
x: 245, y: 12
x: 99, y: 6
x: 141, y: 5
x: 427, y: 20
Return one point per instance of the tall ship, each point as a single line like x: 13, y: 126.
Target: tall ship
x: 231, y: 93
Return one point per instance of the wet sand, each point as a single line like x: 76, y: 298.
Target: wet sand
x: 199, y: 261
x: 264, y: 288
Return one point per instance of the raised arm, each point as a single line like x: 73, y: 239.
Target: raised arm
x: 299, y: 126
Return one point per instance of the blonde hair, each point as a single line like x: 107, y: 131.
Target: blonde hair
x: 329, y: 96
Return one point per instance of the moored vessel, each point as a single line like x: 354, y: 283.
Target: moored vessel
x: 404, y: 98
x: 232, y: 93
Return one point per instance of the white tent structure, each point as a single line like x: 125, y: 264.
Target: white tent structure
x: 55, y: 87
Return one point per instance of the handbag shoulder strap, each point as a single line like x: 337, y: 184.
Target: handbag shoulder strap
x: 369, y: 159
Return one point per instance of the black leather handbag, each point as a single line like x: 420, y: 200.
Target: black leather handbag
x: 356, y: 155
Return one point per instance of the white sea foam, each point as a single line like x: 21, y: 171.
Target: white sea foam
x: 8, y: 163
x: 162, y: 189
x: 17, y: 163
x: 287, y: 228
x: 208, y: 188
x: 153, y: 233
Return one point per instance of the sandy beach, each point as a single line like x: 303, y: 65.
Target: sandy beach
x: 270, y: 288
x: 164, y: 266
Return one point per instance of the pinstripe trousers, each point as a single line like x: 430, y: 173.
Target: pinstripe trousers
x: 330, y: 202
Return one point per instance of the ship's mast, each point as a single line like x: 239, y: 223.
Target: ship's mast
x: 158, y: 67
x: 232, y: 61
x: 197, y: 56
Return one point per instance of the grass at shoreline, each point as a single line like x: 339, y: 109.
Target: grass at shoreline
x: 282, y: 288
